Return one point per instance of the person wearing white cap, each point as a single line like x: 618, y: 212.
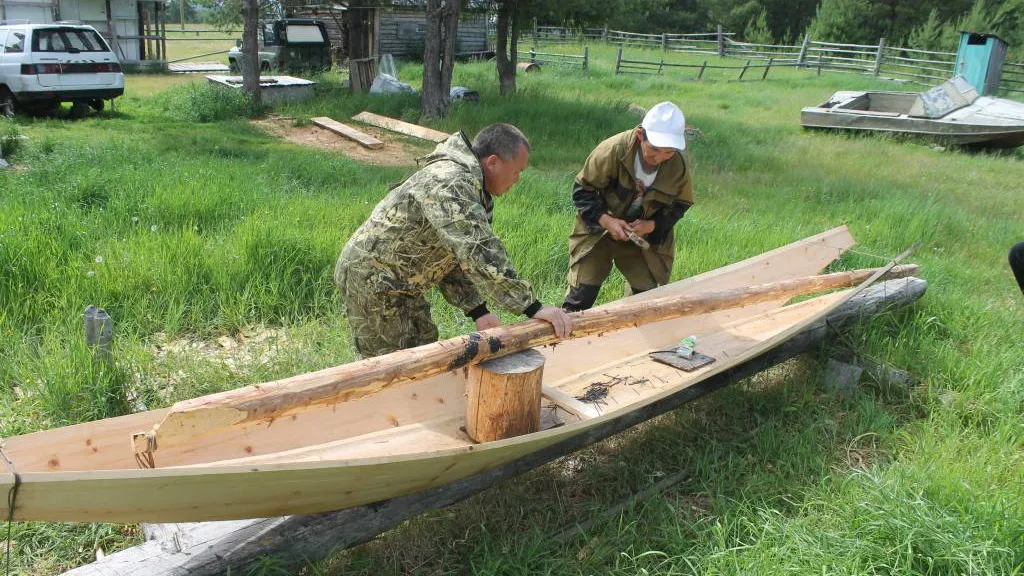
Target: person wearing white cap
x: 629, y: 195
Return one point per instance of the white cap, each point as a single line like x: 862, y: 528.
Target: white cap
x: 664, y: 125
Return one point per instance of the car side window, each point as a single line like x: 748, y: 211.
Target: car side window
x: 15, y: 43
x: 269, y: 38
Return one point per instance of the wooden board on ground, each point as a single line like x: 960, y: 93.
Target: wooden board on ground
x: 348, y: 132
x: 414, y: 130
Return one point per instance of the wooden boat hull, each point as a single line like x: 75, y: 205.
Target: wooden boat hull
x: 401, y: 440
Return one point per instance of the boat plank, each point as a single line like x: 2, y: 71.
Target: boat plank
x: 178, y: 434
x: 220, y: 492
x: 297, y: 540
x: 640, y: 376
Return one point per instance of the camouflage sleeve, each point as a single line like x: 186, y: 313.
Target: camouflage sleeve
x: 459, y: 291
x: 452, y: 207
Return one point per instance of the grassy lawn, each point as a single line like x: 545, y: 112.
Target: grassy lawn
x: 212, y: 245
x: 199, y: 42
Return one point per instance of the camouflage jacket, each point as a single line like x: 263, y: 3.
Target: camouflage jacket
x: 434, y: 229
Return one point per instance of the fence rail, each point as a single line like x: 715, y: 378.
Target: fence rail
x: 925, y: 67
x: 563, y: 60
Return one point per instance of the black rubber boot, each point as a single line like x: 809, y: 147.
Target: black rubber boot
x: 1017, y: 263
x: 580, y: 297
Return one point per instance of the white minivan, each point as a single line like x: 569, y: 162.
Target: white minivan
x: 42, y: 65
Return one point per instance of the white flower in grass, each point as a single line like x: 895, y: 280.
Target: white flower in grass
x: 153, y: 228
x: 135, y: 219
x: 90, y: 274
x: 99, y: 259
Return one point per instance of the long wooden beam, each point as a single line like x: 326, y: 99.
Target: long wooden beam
x: 364, y: 139
x: 414, y: 130
x: 209, y: 548
x: 269, y: 401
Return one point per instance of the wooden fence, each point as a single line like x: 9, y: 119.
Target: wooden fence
x: 925, y: 67
x: 562, y: 60
x: 623, y: 66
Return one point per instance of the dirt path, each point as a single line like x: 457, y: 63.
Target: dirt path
x: 398, y: 150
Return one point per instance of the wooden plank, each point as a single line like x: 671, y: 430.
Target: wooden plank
x: 269, y: 401
x: 349, y: 132
x: 216, y: 547
x: 406, y: 128
x: 568, y: 403
x: 92, y: 447
x: 66, y: 478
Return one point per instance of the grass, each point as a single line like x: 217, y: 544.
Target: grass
x: 200, y: 42
x: 189, y: 231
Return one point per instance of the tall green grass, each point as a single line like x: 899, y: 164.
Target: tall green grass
x: 188, y: 225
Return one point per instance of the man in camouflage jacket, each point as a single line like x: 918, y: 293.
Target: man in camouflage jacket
x: 434, y: 229
x: 631, y: 192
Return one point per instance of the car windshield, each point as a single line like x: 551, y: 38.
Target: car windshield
x: 67, y: 40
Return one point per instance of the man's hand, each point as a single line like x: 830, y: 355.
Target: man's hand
x: 618, y: 229
x: 558, y: 318
x: 487, y: 321
x: 642, y: 227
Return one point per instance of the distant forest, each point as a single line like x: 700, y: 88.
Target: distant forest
x: 923, y: 24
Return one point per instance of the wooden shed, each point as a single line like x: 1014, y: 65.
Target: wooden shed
x: 399, y: 29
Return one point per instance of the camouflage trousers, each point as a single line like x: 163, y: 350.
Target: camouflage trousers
x: 384, y: 322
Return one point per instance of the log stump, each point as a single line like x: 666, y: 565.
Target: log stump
x: 504, y: 396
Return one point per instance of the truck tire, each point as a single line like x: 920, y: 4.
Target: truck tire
x: 79, y: 109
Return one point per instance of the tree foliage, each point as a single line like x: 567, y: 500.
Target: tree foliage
x: 845, y: 21
x: 757, y: 30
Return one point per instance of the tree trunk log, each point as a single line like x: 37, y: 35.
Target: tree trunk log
x: 250, y: 52
x: 439, y: 45
x: 506, y: 49
x: 271, y: 400
x: 237, y: 546
x: 504, y: 396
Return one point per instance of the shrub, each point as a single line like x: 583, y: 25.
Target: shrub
x: 209, y: 103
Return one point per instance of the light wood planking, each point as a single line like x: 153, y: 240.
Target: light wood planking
x: 219, y: 491
x: 349, y: 132
x: 414, y: 130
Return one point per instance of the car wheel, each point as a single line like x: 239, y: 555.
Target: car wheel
x: 79, y: 109
x: 8, y: 103
x: 97, y: 104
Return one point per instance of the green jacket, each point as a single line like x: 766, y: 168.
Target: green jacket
x: 434, y: 229
x: 606, y: 184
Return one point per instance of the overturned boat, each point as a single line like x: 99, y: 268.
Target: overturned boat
x: 425, y: 417
x: 951, y: 113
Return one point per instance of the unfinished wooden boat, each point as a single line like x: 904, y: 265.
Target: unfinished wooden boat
x: 951, y: 113
x: 393, y: 425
